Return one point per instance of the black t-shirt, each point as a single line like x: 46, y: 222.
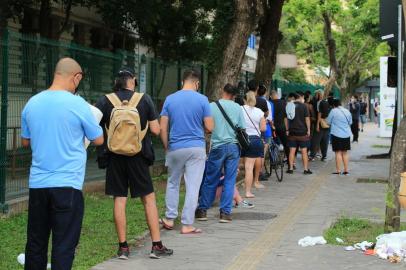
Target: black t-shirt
x: 297, y: 126
x: 261, y: 104
x: 279, y: 107
x: 146, y: 110
x: 324, y: 108
x: 355, y: 110
x: 363, y: 109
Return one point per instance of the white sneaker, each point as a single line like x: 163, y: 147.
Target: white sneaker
x: 245, y: 204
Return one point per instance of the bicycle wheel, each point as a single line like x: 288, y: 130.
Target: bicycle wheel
x: 267, y: 164
x: 278, y: 167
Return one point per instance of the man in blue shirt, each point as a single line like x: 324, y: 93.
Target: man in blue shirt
x: 224, y: 153
x: 185, y: 114
x: 55, y: 124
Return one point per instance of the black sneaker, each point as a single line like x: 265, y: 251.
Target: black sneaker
x: 308, y: 172
x: 123, y: 253
x: 225, y: 218
x: 323, y: 159
x: 290, y: 171
x: 263, y: 177
x: 159, y: 252
x: 201, y: 215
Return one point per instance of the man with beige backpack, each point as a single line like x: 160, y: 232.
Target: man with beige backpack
x: 127, y: 115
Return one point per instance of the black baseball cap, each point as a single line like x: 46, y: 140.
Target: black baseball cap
x: 126, y: 71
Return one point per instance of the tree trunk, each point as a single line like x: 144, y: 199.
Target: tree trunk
x: 331, y: 49
x: 269, y: 42
x: 397, y: 166
x: 44, y: 18
x: 229, y: 67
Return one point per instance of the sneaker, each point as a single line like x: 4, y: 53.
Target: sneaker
x: 318, y: 156
x: 157, y: 253
x: 308, y: 172
x: 201, y: 215
x: 245, y: 204
x: 263, y: 177
x: 323, y: 159
x: 290, y: 171
x: 225, y: 218
x: 311, y: 158
x: 123, y: 253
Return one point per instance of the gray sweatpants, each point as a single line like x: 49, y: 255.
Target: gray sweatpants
x: 190, y: 163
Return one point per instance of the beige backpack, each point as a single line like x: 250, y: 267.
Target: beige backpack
x: 124, y: 134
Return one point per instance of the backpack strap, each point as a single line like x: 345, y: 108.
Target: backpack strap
x: 114, y: 99
x: 134, y: 101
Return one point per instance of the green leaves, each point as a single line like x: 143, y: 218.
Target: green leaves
x: 355, y: 26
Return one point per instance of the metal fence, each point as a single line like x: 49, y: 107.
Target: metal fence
x: 27, y: 64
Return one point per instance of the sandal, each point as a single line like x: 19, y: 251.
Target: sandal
x: 165, y: 225
x: 194, y: 231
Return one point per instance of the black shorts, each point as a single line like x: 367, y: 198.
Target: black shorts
x: 128, y: 172
x: 340, y: 144
x: 294, y: 142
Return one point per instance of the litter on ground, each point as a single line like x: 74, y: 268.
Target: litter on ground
x: 310, y: 241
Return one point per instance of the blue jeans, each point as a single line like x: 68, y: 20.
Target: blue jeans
x: 226, y: 156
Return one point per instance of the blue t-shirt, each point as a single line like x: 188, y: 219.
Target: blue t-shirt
x: 57, y: 122
x: 186, y: 110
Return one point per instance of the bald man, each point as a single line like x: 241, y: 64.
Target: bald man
x: 54, y: 124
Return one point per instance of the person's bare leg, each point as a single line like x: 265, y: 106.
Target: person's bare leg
x: 237, y: 197
x: 151, y: 214
x: 120, y: 218
x: 249, y: 175
x: 292, y: 154
x: 266, y: 147
x: 339, y: 160
x: 346, y: 159
x: 305, y: 159
x: 257, y: 172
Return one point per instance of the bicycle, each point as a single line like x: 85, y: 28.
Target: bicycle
x: 274, y: 160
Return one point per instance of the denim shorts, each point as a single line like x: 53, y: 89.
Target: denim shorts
x: 363, y: 118
x: 256, y: 148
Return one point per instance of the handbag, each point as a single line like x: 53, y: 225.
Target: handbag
x: 242, y: 136
x: 323, y: 123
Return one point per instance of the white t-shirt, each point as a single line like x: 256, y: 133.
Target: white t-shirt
x: 256, y: 115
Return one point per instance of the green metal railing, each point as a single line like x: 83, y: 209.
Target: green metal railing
x: 27, y: 63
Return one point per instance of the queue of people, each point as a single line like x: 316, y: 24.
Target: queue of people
x: 187, y: 119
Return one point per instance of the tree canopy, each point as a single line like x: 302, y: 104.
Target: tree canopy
x: 355, y: 29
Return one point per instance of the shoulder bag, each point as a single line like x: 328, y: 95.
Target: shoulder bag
x: 242, y: 136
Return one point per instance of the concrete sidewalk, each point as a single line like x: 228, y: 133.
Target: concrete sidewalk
x: 266, y: 237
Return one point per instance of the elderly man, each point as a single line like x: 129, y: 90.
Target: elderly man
x: 55, y: 123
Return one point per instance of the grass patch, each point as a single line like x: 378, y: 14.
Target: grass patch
x: 372, y: 180
x: 98, y: 240
x: 380, y: 146
x: 354, y: 230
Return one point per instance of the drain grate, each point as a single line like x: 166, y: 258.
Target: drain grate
x: 253, y: 216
